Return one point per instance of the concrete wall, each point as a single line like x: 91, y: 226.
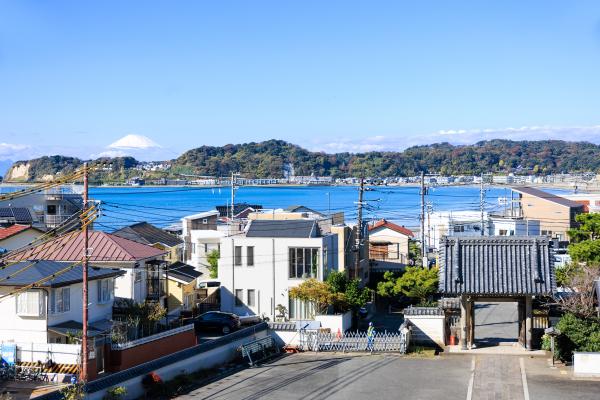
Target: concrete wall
x: 219, y: 352
x: 586, y: 364
x: 269, y: 276
x: 283, y: 338
x: 57, y: 352
x: 428, y: 329
x: 341, y: 322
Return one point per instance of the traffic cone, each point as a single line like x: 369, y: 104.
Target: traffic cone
x: 338, y: 334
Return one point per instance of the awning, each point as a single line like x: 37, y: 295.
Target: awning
x: 75, y: 328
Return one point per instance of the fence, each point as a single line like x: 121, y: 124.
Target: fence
x: 356, y: 341
x: 57, y: 352
x: 151, y: 338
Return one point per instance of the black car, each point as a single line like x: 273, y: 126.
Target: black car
x: 216, y: 321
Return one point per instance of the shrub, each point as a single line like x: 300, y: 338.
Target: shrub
x: 116, y: 393
x: 577, y: 334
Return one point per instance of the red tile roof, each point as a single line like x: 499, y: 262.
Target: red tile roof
x: 12, y: 230
x: 382, y: 223
x: 104, y: 248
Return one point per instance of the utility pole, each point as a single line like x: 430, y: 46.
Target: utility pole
x: 232, y: 194
x: 423, y: 250
x: 361, y: 189
x: 482, y: 203
x: 84, y: 339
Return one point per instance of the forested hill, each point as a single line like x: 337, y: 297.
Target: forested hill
x: 270, y: 158
x: 275, y: 157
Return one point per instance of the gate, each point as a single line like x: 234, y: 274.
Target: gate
x: 356, y: 341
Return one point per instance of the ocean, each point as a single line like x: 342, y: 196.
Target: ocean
x: 163, y: 206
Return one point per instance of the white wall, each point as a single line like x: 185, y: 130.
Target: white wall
x: 339, y: 322
x: 586, y: 363
x: 16, y: 328
x: 520, y: 227
x: 269, y: 255
x: 199, y: 238
x: 428, y: 329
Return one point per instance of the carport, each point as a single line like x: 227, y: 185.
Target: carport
x: 496, y: 269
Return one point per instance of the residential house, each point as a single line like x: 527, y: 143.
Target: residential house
x: 590, y: 201
x: 555, y: 213
x: 257, y: 268
x: 48, y: 208
x: 142, y: 279
x: 452, y: 223
x: 202, y: 234
x: 500, y: 225
x: 52, y: 311
x: 148, y: 234
x: 16, y: 236
x: 240, y: 210
x: 181, y: 287
x: 388, y: 245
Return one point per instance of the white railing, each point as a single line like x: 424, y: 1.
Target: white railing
x: 57, y: 352
x: 151, y: 338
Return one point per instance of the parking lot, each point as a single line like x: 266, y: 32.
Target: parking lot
x: 378, y: 376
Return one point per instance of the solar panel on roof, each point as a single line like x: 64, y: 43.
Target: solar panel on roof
x: 20, y: 214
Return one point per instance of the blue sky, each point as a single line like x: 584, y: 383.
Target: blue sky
x: 75, y: 77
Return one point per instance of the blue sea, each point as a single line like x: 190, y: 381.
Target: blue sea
x: 166, y: 205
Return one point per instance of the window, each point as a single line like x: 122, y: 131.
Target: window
x: 325, y: 260
x: 51, y: 210
x: 30, y: 304
x: 188, y: 300
x: 299, y: 309
x: 251, y: 298
x: 138, y: 276
x: 459, y: 228
x: 60, y: 300
x: 250, y: 256
x: 205, y: 248
x: 503, y: 232
x: 105, y: 290
x: 239, y: 297
x: 303, y: 262
x: 193, y: 248
x: 237, y: 256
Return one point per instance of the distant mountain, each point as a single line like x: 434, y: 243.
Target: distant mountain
x: 273, y: 158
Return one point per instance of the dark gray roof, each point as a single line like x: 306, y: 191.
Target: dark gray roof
x: 149, y: 234
x: 20, y: 215
x: 299, y: 208
x: 547, y: 196
x: 43, y: 269
x: 496, y: 266
x: 224, y: 211
x: 183, y: 272
x: 293, y: 228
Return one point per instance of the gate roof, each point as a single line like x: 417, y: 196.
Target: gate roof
x: 496, y: 266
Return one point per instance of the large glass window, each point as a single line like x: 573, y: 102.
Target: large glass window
x: 304, y: 262
x: 251, y: 298
x: 237, y: 256
x: 105, y: 290
x: 239, y: 297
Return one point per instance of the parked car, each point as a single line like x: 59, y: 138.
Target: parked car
x: 216, y: 321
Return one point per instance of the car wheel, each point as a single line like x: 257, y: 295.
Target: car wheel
x: 226, y: 330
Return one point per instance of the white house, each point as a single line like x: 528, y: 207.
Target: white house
x: 52, y: 310
x: 257, y: 268
x: 201, y: 234
x: 513, y: 226
x: 451, y: 223
x: 388, y: 245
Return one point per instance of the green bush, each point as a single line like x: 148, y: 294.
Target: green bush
x: 577, y: 334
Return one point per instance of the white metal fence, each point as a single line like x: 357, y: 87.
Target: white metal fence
x: 57, y: 352
x: 356, y: 341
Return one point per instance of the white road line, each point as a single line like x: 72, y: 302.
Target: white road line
x: 472, y: 380
x: 524, y: 379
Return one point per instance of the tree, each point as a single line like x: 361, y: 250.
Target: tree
x: 580, y: 300
x: 585, y: 251
x: 415, y: 282
x: 317, y: 292
x: 588, y: 229
x: 213, y: 263
x: 353, y: 296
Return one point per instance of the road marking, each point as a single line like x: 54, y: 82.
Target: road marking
x: 472, y: 380
x: 524, y: 379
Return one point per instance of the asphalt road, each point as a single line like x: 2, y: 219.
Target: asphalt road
x: 357, y: 376
x: 496, y: 323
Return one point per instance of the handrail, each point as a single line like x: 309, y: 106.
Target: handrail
x: 151, y: 338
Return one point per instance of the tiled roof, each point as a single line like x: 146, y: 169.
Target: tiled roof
x: 183, y: 272
x: 20, y: 215
x: 146, y: 233
x: 293, y: 228
x: 299, y: 208
x: 224, y: 211
x: 105, y: 247
x: 43, y: 269
x: 547, y: 196
x: 382, y: 223
x: 12, y: 230
x: 496, y: 266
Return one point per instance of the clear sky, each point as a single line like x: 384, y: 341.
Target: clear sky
x: 76, y: 76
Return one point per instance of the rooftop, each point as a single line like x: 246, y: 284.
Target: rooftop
x: 382, y: 223
x: 20, y: 215
x: 37, y: 270
x: 204, y: 214
x: 496, y: 266
x: 105, y: 247
x: 149, y: 234
x: 12, y: 230
x: 547, y: 196
x: 183, y: 272
x: 296, y: 228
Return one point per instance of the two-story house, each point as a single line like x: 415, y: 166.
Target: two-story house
x: 388, y: 244
x: 142, y: 263
x: 257, y: 268
x: 145, y: 233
